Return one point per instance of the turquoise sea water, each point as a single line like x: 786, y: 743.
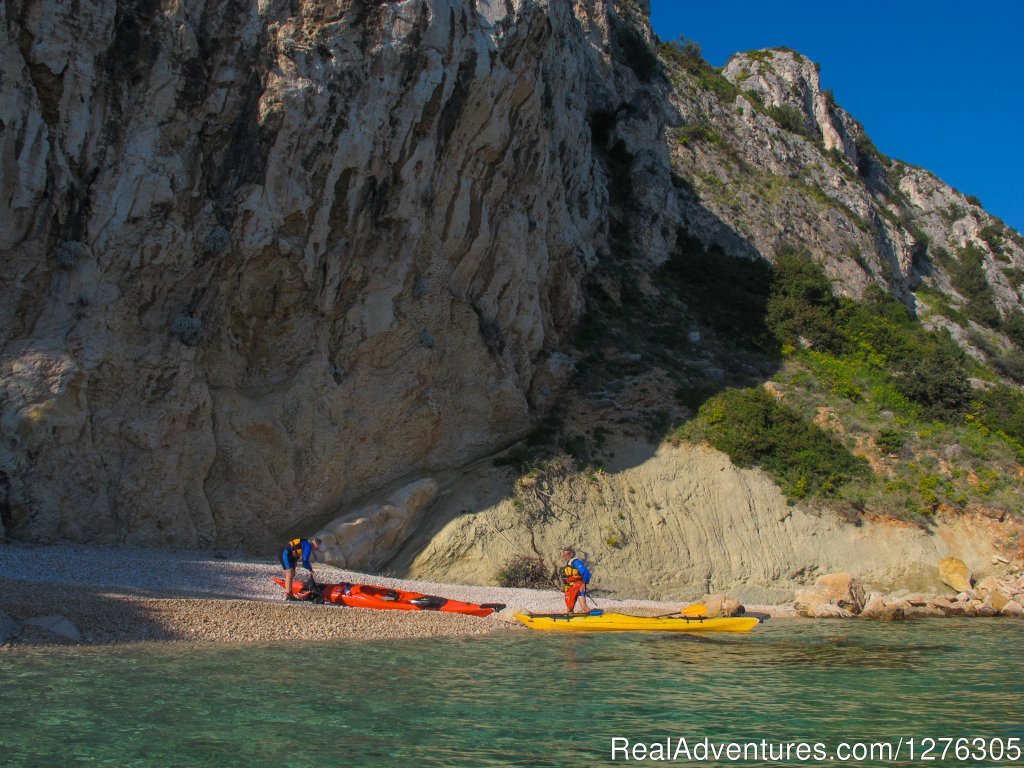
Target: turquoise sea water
x: 537, y: 699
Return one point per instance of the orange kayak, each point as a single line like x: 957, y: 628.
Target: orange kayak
x: 369, y: 596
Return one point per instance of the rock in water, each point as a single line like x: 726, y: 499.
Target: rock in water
x: 843, y: 590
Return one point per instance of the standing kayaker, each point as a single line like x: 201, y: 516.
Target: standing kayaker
x: 290, y: 555
x: 575, y: 578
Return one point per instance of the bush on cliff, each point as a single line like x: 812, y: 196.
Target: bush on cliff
x: 756, y: 431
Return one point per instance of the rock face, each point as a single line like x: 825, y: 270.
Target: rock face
x: 871, y: 219
x: 262, y: 263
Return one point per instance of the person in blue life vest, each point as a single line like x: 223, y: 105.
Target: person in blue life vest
x: 575, y: 578
x: 290, y: 556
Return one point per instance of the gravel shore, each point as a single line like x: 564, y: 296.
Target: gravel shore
x: 120, y: 595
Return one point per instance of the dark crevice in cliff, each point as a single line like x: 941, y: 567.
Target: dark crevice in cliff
x: 135, y: 45
x: 449, y: 118
x: 6, y: 518
x: 618, y: 164
x: 633, y: 50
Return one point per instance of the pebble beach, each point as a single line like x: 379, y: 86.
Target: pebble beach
x: 107, y: 595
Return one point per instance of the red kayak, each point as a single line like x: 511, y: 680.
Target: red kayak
x: 369, y: 596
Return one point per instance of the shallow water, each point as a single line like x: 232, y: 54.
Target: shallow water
x: 530, y: 699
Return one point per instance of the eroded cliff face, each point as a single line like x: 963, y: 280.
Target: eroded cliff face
x: 264, y: 263
x: 262, y: 259
x: 685, y: 522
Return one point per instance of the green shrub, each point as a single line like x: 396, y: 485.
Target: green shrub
x: 756, y: 431
x: 933, y: 375
x: 993, y: 235
x: 69, y: 252
x: 789, y: 117
x: 694, y: 133
x: 1013, y: 327
x: 890, y: 440
x: 524, y: 571
x: 1015, y: 276
x: 188, y: 329
x: 866, y: 151
x: 939, y: 304
x: 969, y: 280
x: 801, y: 304
x: 1001, y: 409
x: 686, y: 55
x: 217, y: 241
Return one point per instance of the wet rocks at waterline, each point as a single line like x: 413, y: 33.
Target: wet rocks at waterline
x: 841, y: 595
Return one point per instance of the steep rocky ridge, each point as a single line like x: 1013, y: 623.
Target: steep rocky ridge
x: 777, y: 159
x: 267, y: 263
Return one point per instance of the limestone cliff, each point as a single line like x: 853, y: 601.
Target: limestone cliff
x: 265, y: 262
x: 262, y: 259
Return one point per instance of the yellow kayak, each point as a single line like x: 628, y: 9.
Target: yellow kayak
x: 621, y: 622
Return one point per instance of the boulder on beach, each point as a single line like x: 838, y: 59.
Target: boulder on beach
x: 815, y: 604
x: 834, y: 595
x: 1013, y: 608
x: 721, y: 605
x: 985, y: 608
x: 879, y: 608
x: 952, y: 606
x: 843, y: 590
x: 994, y: 590
x: 955, y: 574
x: 57, y: 624
x: 7, y: 627
x: 369, y: 536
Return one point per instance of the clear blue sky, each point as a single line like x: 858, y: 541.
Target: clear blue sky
x: 938, y: 84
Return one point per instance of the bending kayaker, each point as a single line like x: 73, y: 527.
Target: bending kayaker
x: 290, y: 555
x: 575, y: 578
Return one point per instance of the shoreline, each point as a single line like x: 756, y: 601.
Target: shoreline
x: 106, y: 616
x: 115, y: 595
x: 95, y: 595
